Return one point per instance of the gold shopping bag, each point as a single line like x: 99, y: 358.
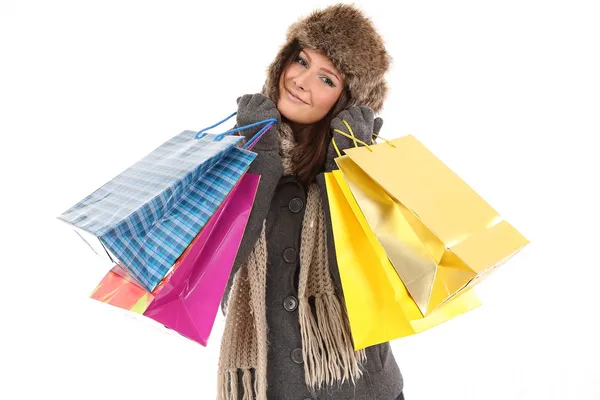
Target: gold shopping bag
x: 378, y: 305
x: 441, y: 237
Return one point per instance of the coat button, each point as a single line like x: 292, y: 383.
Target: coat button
x: 296, y: 205
x: 297, y: 356
x: 290, y: 256
x: 290, y: 303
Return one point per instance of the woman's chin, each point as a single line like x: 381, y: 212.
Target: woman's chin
x: 295, y: 113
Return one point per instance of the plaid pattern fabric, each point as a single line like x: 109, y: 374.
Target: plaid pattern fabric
x: 149, y: 214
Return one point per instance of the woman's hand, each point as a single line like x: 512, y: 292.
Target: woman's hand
x: 364, y: 125
x: 255, y: 108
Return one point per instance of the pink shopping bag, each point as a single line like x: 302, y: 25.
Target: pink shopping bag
x: 189, y: 302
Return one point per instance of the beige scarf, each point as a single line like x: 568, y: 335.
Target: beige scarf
x: 327, y: 350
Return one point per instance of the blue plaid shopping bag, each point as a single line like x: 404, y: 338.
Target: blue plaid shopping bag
x: 146, y: 217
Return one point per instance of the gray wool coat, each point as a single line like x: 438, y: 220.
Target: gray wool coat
x: 281, y: 199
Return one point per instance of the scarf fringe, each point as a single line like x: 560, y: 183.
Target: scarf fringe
x: 327, y: 349
x: 229, y: 386
x: 247, y: 384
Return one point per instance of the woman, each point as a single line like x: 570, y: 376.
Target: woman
x: 286, y: 333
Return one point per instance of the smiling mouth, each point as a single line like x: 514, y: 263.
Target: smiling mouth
x: 295, y: 98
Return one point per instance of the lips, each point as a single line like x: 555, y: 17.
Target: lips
x: 294, y: 97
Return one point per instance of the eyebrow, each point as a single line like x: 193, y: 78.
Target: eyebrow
x: 332, y: 73
x: 322, y: 69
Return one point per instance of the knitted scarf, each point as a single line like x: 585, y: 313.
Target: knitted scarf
x: 327, y: 349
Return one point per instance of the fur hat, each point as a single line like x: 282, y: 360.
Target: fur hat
x: 350, y: 40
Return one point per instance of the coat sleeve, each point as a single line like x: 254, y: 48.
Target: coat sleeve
x: 268, y: 165
x: 331, y: 256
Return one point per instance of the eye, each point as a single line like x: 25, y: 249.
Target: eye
x: 301, y: 61
x: 328, y: 81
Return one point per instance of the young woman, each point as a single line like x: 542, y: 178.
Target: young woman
x: 286, y: 332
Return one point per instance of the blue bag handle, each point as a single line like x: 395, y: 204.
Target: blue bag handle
x: 269, y: 123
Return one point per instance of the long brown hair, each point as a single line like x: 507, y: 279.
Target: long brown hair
x: 313, y: 141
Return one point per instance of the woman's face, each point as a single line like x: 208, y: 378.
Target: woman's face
x: 309, y: 87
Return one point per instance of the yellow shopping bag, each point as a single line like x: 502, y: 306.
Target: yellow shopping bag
x: 440, y: 235
x: 378, y: 304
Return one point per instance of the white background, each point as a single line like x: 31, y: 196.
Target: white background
x: 506, y: 93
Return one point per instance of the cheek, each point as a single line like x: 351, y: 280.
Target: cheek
x: 290, y: 71
x: 325, y: 98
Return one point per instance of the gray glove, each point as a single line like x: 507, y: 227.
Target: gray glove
x: 255, y: 108
x: 364, y: 125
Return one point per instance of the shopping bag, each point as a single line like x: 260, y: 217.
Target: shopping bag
x: 378, y: 305
x: 441, y: 237
x: 147, y: 216
x: 119, y: 289
x: 190, y: 299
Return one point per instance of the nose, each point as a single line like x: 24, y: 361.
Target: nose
x: 300, y: 80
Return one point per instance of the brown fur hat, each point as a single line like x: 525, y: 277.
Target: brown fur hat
x: 350, y: 40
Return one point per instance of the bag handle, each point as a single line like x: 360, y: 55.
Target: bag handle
x: 250, y: 143
x: 353, y: 137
